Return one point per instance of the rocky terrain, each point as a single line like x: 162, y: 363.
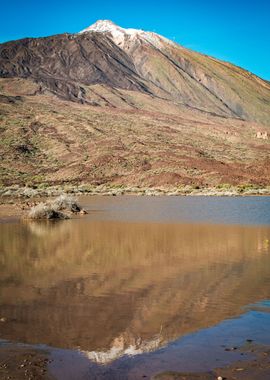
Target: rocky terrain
x: 126, y: 107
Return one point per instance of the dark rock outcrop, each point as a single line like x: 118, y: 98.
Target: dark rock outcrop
x: 64, y: 63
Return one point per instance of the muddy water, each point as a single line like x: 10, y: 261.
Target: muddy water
x: 137, y: 277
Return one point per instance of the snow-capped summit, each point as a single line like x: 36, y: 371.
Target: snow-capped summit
x: 121, y: 35
x: 104, y: 26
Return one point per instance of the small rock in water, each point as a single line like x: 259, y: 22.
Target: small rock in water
x: 231, y: 349
x: 3, y: 319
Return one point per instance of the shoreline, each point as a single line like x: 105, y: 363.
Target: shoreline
x: 256, y: 367
x: 15, y: 201
x: 16, y: 191
x: 23, y: 360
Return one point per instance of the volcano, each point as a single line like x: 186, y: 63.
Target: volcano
x: 126, y: 106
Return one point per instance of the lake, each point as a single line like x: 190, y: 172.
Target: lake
x: 140, y: 285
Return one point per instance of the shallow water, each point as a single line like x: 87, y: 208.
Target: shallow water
x: 140, y: 284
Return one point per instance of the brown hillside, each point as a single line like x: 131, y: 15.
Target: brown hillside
x: 45, y: 139
x: 145, y: 111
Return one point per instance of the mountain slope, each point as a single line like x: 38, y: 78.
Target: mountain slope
x: 136, y: 60
x: 47, y: 140
x: 62, y: 63
x: 189, y: 77
x: 145, y: 111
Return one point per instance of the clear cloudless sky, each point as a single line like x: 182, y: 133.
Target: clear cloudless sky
x: 233, y: 30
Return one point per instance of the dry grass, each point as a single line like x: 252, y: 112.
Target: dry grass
x: 66, y: 202
x: 45, y: 211
x: 66, y: 143
x: 53, y: 209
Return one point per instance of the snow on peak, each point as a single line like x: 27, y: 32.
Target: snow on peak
x: 105, y: 26
x: 120, y: 35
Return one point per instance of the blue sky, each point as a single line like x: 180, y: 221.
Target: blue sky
x: 237, y: 31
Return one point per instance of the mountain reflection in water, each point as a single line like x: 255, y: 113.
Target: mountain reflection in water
x: 114, y: 288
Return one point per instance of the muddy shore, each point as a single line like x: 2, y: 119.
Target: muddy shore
x: 257, y: 368
x: 19, y: 362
